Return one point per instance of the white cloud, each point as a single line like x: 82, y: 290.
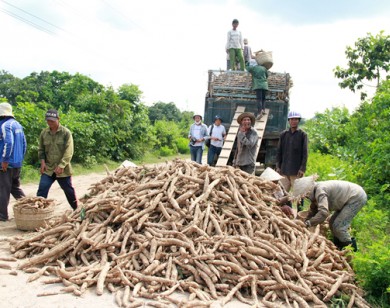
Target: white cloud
x: 167, y: 47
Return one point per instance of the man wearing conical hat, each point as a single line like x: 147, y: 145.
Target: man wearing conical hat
x: 247, y: 137
x: 280, y: 193
x: 344, y: 199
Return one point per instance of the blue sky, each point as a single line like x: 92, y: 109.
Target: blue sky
x: 167, y: 47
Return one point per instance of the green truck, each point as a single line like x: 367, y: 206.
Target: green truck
x: 229, y: 89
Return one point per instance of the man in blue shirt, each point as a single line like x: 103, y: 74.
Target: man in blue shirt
x: 12, y: 150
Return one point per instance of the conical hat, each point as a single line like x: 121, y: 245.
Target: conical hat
x: 270, y: 174
x: 303, y: 186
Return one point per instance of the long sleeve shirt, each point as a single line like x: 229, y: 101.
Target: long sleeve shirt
x: 259, y: 76
x: 234, y: 40
x: 246, y: 148
x: 56, y: 150
x: 13, y: 143
x: 329, y: 196
x: 292, y: 152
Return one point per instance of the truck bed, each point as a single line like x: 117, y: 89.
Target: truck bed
x: 237, y: 84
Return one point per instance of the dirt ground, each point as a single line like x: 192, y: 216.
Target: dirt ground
x: 15, y: 291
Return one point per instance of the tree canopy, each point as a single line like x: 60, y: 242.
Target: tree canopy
x: 369, y: 60
x: 106, y: 124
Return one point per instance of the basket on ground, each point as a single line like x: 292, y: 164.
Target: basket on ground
x: 30, y: 219
x: 264, y: 58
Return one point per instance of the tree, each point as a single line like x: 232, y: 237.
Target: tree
x: 366, y: 62
x: 130, y: 92
x: 10, y: 86
x: 327, y: 130
x: 164, y: 111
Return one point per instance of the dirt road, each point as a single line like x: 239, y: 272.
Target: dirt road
x: 81, y: 184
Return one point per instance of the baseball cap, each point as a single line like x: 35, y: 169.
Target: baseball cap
x: 52, y: 115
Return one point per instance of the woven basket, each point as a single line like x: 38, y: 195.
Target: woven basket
x: 30, y: 219
x: 264, y: 58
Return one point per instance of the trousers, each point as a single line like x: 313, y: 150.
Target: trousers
x: 260, y: 97
x: 9, y: 185
x: 65, y: 183
x: 236, y: 53
x: 196, y: 153
x: 340, y: 221
x: 213, y: 150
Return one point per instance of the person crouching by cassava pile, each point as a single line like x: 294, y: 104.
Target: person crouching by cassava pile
x: 280, y: 193
x: 344, y: 199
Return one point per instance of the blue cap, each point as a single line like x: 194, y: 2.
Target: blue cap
x: 218, y: 117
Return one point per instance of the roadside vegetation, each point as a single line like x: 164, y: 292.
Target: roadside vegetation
x: 356, y: 147
x: 110, y: 126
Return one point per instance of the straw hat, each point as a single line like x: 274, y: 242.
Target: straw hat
x: 270, y: 174
x: 303, y: 186
x: 246, y: 115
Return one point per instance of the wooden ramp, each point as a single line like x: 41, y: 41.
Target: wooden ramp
x: 229, y: 141
x: 231, y: 137
x: 260, y: 128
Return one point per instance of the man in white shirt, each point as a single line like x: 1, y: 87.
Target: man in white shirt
x: 197, y: 135
x: 217, y: 133
x: 235, y: 46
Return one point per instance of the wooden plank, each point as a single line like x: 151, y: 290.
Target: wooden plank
x: 260, y: 128
x: 229, y: 141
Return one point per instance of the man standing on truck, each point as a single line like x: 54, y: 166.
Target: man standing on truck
x: 259, y: 85
x: 247, y: 51
x: 217, y: 133
x: 235, y: 46
x: 197, y: 135
x: 292, y: 152
x: 247, y: 137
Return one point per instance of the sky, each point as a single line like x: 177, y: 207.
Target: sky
x: 167, y: 47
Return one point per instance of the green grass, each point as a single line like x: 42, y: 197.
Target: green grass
x: 30, y: 174
x: 151, y: 158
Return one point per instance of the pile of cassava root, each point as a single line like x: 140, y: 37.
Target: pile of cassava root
x: 38, y: 203
x: 215, y: 233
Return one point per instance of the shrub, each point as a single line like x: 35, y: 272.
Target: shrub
x: 182, y: 145
x: 329, y: 167
x: 166, y: 151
